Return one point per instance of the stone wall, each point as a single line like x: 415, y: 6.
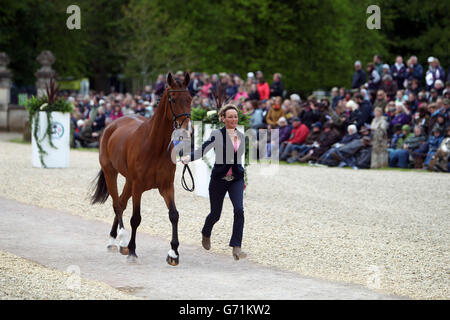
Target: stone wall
x: 14, y: 117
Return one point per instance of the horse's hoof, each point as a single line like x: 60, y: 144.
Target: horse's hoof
x: 132, y: 258
x: 172, y: 261
x: 112, y: 248
x: 124, y: 250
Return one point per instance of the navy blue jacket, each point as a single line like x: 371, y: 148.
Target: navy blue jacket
x: 359, y: 78
x: 226, y: 157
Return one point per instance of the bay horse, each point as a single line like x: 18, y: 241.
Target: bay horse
x: 137, y: 148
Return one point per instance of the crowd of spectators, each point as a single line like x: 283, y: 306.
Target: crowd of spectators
x: 391, y: 115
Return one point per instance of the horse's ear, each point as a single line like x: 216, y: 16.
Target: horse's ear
x: 170, y: 80
x: 187, y: 79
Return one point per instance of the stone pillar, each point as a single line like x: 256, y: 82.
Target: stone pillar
x: 45, y: 73
x: 5, y: 90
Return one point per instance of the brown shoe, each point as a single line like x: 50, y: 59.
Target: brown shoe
x: 238, y: 254
x: 206, y: 242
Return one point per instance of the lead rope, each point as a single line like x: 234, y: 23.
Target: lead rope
x: 183, y: 180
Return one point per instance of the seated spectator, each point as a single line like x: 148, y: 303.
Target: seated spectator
x: 432, y: 145
x: 298, y: 135
x: 440, y: 160
x: 241, y: 93
x: 338, y: 118
x: 99, y: 122
x: 284, y: 130
x: 400, y: 157
x: 422, y: 118
x: 433, y: 95
x: 389, y: 86
x: 253, y: 94
x: 411, y: 103
x: 288, y: 111
x: 327, y: 138
x: 386, y: 70
x: 140, y: 109
x: 117, y: 112
x: 400, y: 117
x: 346, y: 155
x: 352, y: 134
x: 295, y: 98
x: 380, y: 101
x: 311, y: 140
x: 275, y: 112
x: 363, y: 113
x: 440, y: 122
x: 413, y: 87
x: 256, y: 115
x: 439, y: 87
x: 159, y: 85
x: 310, y: 114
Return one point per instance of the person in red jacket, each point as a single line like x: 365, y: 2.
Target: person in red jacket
x: 299, y: 133
x: 263, y: 89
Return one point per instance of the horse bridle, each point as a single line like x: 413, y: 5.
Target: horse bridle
x: 176, y: 116
x: 177, y: 126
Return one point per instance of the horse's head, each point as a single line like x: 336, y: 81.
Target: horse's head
x: 179, y: 100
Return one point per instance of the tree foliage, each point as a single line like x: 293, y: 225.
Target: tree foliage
x: 312, y: 43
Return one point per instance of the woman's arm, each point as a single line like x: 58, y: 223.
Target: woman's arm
x: 204, y: 149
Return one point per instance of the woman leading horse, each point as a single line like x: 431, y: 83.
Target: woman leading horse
x: 227, y: 175
x: 136, y: 148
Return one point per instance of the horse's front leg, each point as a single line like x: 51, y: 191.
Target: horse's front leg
x: 169, y: 198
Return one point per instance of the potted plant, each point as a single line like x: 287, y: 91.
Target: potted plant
x: 49, y: 117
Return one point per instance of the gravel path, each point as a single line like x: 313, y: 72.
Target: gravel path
x: 68, y: 242
x: 388, y: 230
x: 26, y: 280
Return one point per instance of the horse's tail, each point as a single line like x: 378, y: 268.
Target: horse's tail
x: 101, y: 191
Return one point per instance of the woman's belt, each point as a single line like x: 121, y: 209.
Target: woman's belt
x: 228, y: 178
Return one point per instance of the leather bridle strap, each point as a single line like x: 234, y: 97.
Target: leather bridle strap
x: 176, y: 116
x: 178, y: 126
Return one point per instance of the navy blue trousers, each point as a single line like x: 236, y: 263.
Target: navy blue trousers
x: 217, y: 190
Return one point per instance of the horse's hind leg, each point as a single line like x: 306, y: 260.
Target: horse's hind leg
x: 169, y: 198
x: 111, y: 182
x: 123, y: 200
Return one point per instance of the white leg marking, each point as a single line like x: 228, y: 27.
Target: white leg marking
x: 112, y: 241
x: 123, y: 237
x: 172, y: 254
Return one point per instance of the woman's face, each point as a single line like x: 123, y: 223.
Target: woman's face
x: 377, y: 113
x: 230, y: 119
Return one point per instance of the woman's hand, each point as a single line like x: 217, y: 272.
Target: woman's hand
x: 186, y: 159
